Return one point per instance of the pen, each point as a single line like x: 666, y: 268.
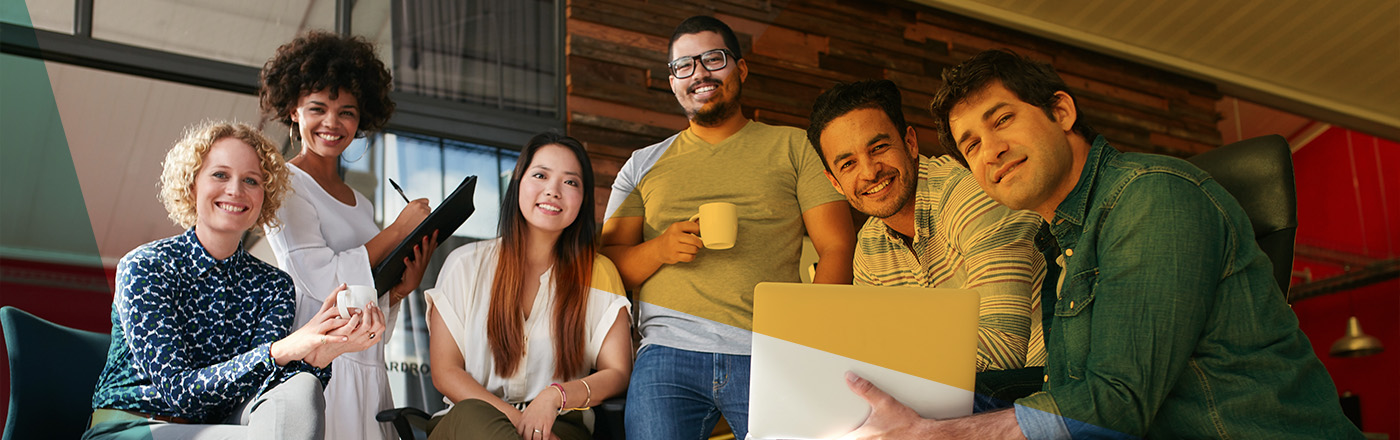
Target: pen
x: 400, y: 190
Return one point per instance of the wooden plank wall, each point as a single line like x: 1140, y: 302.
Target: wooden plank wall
x: 619, y: 98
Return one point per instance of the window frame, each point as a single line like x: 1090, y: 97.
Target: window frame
x: 418, y: 114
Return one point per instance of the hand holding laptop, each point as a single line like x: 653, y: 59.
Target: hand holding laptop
x: 918, y: 344
x: 888, y: 418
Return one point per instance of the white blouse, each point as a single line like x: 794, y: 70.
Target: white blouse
x: 321, y: 243
x: 462, y: 298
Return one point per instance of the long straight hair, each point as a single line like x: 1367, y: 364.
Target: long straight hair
x: 573, y: 271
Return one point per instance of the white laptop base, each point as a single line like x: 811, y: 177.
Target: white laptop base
x: 800, y: 392
x: 812, y: 401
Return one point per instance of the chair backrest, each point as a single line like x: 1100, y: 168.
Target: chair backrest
x: 1259, y: 173
x: 53, y: 370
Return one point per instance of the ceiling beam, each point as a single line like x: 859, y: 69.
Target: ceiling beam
x: 131, y: 60
x: 433, y: 116
x: 1375, y: 273
x: 1330, y: 256
x: 1253, y: 89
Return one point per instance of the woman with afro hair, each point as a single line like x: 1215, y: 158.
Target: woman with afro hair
x: 331, y: 89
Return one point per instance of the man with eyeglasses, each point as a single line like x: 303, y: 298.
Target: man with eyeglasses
x: 695, y: 305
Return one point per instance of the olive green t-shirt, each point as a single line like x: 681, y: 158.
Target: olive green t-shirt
x: 772, y: 175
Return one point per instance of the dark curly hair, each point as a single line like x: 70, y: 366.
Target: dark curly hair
x: 1032, y: 81
x: 320, y: 60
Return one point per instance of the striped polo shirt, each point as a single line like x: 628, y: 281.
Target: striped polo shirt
x: 964, y: 239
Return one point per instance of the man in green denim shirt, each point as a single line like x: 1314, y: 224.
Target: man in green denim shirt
x: 1169, y: 322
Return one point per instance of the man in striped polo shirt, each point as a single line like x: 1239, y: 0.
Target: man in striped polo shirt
x: 930, y: 224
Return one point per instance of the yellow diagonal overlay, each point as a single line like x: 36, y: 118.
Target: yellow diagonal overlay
x: 606, y: 278
x: 928, y: 333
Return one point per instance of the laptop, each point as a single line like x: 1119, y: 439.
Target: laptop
x: 917, y: 344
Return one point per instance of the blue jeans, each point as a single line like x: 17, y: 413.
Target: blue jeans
x: 679, y: 395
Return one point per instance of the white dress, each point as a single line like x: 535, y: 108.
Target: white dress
x: 321, y: 243
x: 462, y: 298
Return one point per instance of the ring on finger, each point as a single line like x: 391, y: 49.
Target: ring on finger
x: 371, y: 335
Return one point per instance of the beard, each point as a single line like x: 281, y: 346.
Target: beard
x: 904, y: 184
x: 718, y: 112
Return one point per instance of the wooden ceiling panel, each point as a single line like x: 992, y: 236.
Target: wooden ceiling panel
x: 1333, y: 60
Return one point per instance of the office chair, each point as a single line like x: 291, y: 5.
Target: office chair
x: 53, y: 370
x: 1259, y: 173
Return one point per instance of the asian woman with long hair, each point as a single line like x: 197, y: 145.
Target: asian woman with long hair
x: 518, y: 322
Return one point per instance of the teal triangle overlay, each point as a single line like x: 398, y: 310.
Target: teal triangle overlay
x: 42, y: 213
x: 15, y: 11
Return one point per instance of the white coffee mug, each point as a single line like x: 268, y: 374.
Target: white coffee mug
x: 354, y: 296
x: 719, y: 224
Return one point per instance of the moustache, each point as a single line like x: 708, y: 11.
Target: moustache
x: 888, y: 174
x: 702, y: 83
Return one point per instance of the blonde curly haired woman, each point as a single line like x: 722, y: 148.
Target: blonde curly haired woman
x: 202, y: 345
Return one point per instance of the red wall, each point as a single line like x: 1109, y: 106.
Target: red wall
x: 1359, y: 216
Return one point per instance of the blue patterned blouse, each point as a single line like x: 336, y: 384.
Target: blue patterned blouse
x: 191, y: 335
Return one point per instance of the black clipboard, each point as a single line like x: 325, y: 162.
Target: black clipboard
x: 445, y: 219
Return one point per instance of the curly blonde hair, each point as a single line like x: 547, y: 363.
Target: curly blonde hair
x: 186, y: 158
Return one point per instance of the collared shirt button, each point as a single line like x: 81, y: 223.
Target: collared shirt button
x: 1069, y: 252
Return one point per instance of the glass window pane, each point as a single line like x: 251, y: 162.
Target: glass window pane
x: 464, y: 159
x: 415, y: 162
x: 497, y: 53
x: 371, y: 19
x: 506, y: 164
x: 243, y: 32
x: 432, y: 167
x: 49, y: 15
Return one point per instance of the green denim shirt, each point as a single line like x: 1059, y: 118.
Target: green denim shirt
x: 1169, y: 322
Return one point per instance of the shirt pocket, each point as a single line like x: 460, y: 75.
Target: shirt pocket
x: 1074, y: 321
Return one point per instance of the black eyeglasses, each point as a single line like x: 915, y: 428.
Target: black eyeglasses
x: 713, y: 60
